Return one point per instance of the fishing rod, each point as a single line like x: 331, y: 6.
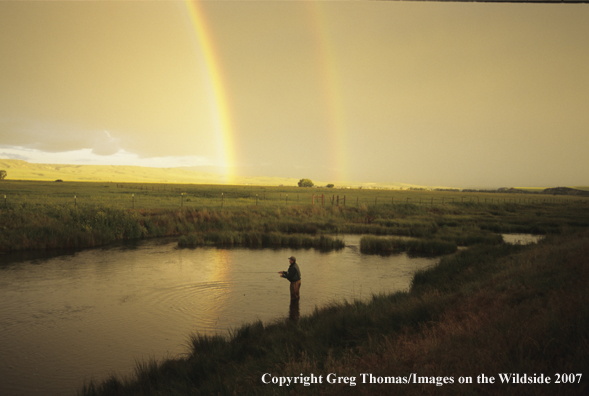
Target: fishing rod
x: 259, y: 272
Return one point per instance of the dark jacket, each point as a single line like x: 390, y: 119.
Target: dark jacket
x: 293, y: 274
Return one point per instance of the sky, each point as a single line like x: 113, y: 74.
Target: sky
x: 471, y: 95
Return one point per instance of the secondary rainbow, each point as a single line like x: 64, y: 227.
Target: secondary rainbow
x: 224, y: 123
x: 331, y: 84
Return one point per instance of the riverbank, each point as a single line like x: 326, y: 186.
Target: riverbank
x: 491, y: 309
x: 51, y: 226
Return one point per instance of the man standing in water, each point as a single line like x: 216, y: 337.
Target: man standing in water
x: 294, y: 276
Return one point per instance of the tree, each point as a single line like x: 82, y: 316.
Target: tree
x: 2, y: 174
x: 330, y: 185
x: 305, y: 183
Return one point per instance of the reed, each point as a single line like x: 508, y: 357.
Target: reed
x: 255, y: 239
x: 423, y: 246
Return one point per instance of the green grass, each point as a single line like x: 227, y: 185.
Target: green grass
x: 489, y: 309
x: 168, y: 196
x: 44, y: 215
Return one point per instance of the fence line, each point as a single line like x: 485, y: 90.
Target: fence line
x: 184, y: 199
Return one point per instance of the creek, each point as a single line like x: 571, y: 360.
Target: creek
x: 73, y: 316
x: 66, y: 318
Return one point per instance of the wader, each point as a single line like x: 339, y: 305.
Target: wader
x: 294, y: 289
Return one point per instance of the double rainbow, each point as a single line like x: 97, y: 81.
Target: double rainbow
x: 332, y: 95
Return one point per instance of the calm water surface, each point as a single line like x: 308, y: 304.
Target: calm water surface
x: 66, y: 319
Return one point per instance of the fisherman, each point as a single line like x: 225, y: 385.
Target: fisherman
x: 294, y: 276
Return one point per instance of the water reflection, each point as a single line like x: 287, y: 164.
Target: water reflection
x: 521, y: 239
x: 294, y: 310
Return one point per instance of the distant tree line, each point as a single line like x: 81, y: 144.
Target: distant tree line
x: 511, y: 190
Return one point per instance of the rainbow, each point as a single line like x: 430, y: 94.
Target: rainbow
x: 331, y: 83
x: 223, y: 121
x: 330, y: 88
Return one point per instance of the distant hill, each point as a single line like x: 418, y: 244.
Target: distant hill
x: 22, y: 170
x: 565, y: 191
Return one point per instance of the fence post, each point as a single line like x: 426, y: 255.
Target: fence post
x: 75, y: 201
x: 344, y: 200
x: 133, y: 199
x: 181, y: 200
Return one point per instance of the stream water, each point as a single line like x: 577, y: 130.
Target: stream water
x: 75, y: 316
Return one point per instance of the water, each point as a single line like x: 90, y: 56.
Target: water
x: 522, y: 239
x: 68, y: 318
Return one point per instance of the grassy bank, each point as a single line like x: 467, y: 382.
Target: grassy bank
x: 371, y: 244
x: 255, y: 239
x: 488, y: 310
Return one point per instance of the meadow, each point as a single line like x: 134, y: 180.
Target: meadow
x: 48, y: 215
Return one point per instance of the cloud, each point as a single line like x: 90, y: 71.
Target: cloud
x: 89, y: 157
x: 55, y: 138
x: 7, y: 155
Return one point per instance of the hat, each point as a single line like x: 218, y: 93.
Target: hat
x: 293, y: 258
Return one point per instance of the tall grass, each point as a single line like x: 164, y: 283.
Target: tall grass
x: 255, y: 239
x: 424, y: 246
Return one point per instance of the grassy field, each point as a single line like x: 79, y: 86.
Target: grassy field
x: 169, y: 196
x: 45, y: 215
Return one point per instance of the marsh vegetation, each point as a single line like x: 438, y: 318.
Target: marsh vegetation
x: 42, y: 215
